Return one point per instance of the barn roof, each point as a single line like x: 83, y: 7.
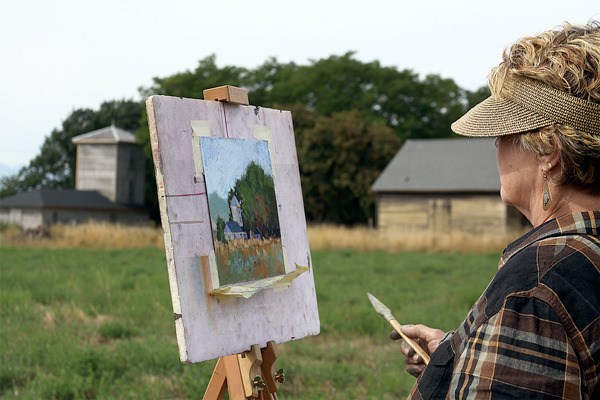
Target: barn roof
x: 442, y: 165
x: 110, y: 134
x: 60, y: 198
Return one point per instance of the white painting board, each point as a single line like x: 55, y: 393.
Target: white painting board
x: 210, y: 326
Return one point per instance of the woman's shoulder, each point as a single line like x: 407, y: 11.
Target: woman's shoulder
x: 573, y: 255
x: 555, y: 252
x: 566, y: 265
x: 563, y: 271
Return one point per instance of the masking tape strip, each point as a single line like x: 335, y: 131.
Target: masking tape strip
x: 286, y: 263
x: 264, y: 133
x: 199, y: 128
x: 247, y: 290
x: 214, y: 271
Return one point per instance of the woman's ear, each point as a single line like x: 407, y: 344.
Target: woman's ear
x: 550, y: 159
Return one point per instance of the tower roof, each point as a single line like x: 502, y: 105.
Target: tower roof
x: 110, y: 134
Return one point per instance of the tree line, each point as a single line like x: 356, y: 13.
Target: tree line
x: 350, y: 118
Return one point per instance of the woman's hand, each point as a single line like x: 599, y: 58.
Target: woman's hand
x: 429, y: 340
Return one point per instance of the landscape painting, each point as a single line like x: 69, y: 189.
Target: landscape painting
x: 243, y: 209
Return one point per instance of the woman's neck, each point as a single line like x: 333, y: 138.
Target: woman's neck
x: 565, y: 200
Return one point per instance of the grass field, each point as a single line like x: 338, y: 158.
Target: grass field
x: 97, y: 324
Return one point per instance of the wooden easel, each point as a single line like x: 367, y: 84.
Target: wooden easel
x: 249, y: 375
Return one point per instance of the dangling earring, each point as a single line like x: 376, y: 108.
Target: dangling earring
x: 546, y: 198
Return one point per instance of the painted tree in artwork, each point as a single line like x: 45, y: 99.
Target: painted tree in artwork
x: 221, y: 230
x: 256, y: 191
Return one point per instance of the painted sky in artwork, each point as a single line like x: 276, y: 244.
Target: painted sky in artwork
x: 225, y: 161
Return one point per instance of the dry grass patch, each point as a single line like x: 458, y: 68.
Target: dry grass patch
x: 105, y: 235
x: 331, y: 237
x: 321, y: 237
x: 89, y: 235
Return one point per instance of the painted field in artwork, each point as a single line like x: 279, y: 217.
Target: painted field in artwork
x: 239, y: 260
x: 243, y: 209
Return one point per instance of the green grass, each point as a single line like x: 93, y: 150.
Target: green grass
x: 97, y: 324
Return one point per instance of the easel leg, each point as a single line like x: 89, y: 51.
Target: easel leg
x: 237, y: 374
x: 226, y: 376
x: 217, y: 384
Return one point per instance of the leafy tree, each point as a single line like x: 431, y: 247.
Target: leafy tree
x: 192, y: 83
x: 256, y: 191
x: 343, y: 155
x: 412, y: 107
x: 221, y: 230
x: 477, y: 96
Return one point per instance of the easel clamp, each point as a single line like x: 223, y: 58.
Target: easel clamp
x: 227, y: 93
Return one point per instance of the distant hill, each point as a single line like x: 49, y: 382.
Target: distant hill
x: 218, y: 207
x: 6, y: 170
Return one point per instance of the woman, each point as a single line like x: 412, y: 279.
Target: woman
x: 535, y: 332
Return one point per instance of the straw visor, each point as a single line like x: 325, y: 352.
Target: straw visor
x: 526, y: 104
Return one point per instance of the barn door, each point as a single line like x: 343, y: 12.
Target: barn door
x: 441, y: 215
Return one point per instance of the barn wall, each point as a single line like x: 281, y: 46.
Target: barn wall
x: 34, y: 218
x: 397, y: 211
x: 478, y: 214
x: 27, y: 218
x: 81, y: 216
x: 442, y: 213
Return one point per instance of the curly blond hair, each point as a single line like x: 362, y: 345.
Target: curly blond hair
x: 566, y: 59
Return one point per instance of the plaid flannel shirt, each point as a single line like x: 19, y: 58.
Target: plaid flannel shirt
x: 535, y: 331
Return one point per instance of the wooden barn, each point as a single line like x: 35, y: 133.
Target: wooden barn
x: 444, y: 185
x: 109, y: 186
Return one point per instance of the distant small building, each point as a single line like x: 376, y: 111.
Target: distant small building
x: 109, y: 186
x: 110, y: 161
x: 233, y: 230
x: 442, y: 186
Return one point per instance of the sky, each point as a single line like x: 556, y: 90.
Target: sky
x: 58, y: 56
